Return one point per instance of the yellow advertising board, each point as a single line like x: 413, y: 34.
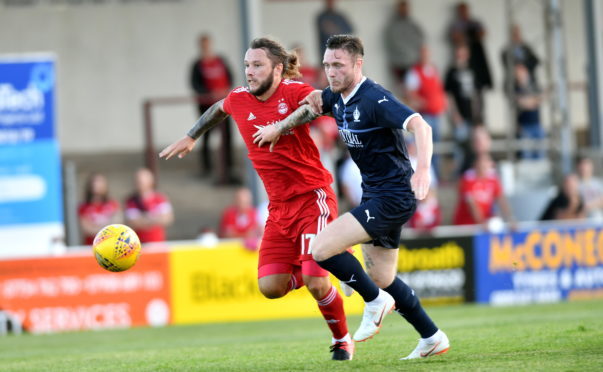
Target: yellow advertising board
x: 220, y: 285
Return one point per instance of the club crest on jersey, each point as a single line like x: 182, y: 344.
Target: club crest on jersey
x: 356, y: 115
x: 282, y: 108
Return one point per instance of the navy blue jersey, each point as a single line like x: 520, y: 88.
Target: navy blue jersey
x: 371, y: 124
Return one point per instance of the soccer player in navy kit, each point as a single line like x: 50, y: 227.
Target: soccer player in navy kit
x: 370, y: 121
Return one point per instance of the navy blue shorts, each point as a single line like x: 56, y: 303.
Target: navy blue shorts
x: 383, y: 215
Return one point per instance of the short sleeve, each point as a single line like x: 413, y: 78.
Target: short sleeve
x: 329, y: 99
x: 299, y: 91
x: 226, y: 105
x: 391, y: 113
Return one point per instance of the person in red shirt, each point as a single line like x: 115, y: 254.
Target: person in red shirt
x: 428, y: 214
x: 211, y: 80
x: 98, y: 209
x: 297, y: 184
x: 148, y: 211
x: 240, y: 219
x: 479, y: 190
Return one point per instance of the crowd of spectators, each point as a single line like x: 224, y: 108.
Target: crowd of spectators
x: 455, y: 96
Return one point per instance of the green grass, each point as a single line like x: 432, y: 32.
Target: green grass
x: 559, y: 337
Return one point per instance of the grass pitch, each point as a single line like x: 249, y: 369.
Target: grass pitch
x: 565, y: 336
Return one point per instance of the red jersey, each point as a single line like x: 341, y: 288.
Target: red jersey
x: 154, y: 204
x: 215, y: 74
x: 99, y: 213
x: 430, y: 89
x: 238, y: 224
x: 484, y: 191
x: 294, y: 167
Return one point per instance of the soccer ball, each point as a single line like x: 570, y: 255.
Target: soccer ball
x: 116, y: 247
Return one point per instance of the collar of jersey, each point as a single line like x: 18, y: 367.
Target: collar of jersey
x: 348, y: 98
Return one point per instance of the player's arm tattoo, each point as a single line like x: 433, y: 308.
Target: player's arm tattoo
x: 302, y: 115
x: 210, y: 118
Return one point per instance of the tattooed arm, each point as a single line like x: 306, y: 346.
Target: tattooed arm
x: 210, y: 118
x: 272, y: 133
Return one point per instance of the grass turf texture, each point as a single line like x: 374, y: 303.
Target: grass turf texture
x: 565, y: 336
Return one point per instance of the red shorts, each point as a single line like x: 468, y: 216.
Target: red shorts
x: 290, y: 228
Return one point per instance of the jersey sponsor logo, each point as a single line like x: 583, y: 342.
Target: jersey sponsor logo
x: 251, y: 116
x: 282, y: 108
x: 241, y: 90
x: 384, y: 99
x: 368, y: 215
x: 350, y: 139
x: 356, y: 115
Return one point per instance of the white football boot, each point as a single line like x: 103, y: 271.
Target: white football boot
x: 374, y: 312
x: 434, y: 345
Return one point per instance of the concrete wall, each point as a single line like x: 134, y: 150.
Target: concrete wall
x: 112, y: 54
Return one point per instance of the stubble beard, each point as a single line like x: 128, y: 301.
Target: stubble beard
x: 264, y: 86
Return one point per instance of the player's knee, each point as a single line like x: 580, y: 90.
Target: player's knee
x: 273, y: 290
x: 318, y: 286
x: 382, y: 279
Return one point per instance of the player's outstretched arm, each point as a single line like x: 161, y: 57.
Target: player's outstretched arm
x: 421, y: 179
x: 272, y: 133
x: 210, y: 118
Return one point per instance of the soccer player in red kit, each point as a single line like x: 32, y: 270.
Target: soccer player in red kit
x: 298, y: 186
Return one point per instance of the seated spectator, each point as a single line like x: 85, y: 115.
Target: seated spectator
x: 148, y: 211
x: 479, y: 191
x: 568, y: 203
x: 428, y: 213
x: 591, y: 189
x: 240, y: 219
x: 98, y: 209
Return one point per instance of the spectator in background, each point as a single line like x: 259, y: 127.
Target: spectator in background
x: 461, y: 86
x: 518, y: 52
x: 311, y: 75
x: 211, y: 80
x: 480, y: 190
x: 591, y: 189
x: 425, y: 93
x: 428, y: 214
x: 98, y: 209
x: 148, y: 211
x: 403, y: 40
x: 240, y: 219
x: 465, y: 30
x: 330, y: 22
x: 568, y: 203
x: 527, y: 106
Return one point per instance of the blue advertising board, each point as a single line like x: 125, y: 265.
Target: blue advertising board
x: 547, y: 264
x: 30, y: 166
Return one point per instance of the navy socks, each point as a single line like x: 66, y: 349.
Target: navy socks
x: 347, y: 269
x: 409, y: 306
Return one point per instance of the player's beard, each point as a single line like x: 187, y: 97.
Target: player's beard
x: 264, y: 86
x: 345, y: 83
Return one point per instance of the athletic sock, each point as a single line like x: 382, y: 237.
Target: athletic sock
x: 347, y: 269
x: 331, y: 307
x: 296, y: 281
x: 409, y: 306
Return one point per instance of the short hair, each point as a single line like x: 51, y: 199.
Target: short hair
x: 277, y: 54
x: 351, y: 44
